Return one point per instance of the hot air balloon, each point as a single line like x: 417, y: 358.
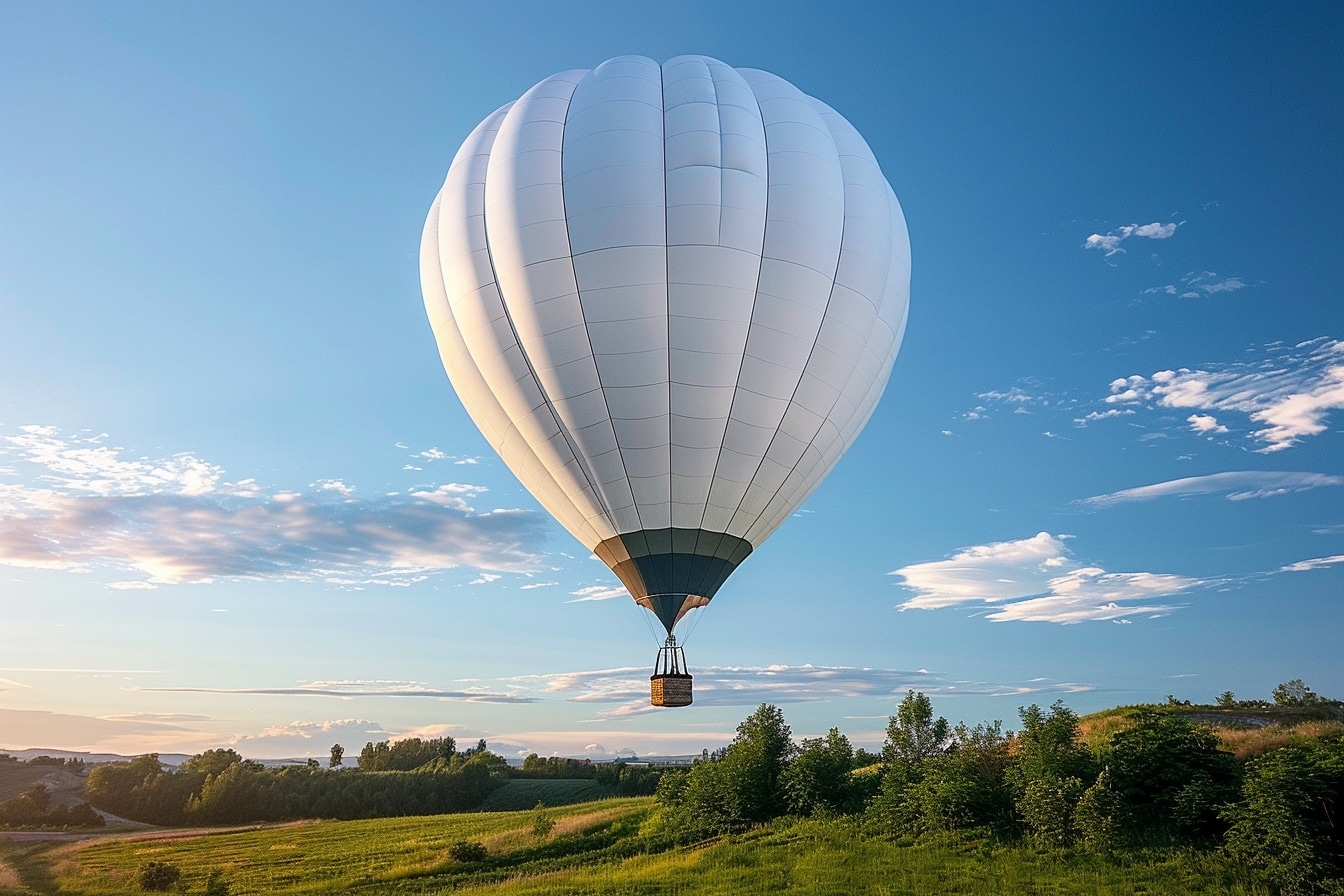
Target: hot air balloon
x: 670, y: 297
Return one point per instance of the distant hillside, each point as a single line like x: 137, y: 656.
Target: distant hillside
x: 1247, y: 728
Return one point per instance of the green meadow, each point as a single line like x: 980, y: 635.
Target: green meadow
x: 593, y: 848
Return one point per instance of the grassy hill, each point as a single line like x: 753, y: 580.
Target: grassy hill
x: 1245, y: 730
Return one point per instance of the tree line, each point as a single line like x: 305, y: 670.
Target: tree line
x: 221, y: 787
x: 413, y: 776
x: 1162, y: 782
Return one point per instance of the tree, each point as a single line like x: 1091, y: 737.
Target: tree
x: 741, y: 789
x: 1295, y: 693
x: 913, y: 736
x: 405, y: 755
x: 1227, y: 700
x: 211, y: 762
x: 818, y: 779
x: 337, y: 756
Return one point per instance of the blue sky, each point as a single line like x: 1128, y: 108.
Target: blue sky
x: 240, y: 504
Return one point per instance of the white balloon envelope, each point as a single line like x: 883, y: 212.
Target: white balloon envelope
x: 670, y: 296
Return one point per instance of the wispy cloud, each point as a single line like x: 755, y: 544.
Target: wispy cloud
x: 85, y: 507
x: 1238, y: 485
x: 1288, y: 393
x: 1110, y: 242
x: 1315, y: 563
x: 352, y: 689
x: 753, y: 685
x: 598, y: 592
x: 1035, y: 580
x: 1198, y: 284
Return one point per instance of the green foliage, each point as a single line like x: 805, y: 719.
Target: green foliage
x: 219, y: 787
x: 337, y: 758
x: 1099, y: 820
x: 913, y: 735
x: 216, y: 885
x: 1290, y: 820
x: 1172, y: 777
x: 34, y: 809
x: 1227, y: 700
x: 158, y: 876
x: 405, y: 755
x: 1052, y: 772
x: 819, y: 778
x: 627, y: 780
x: 743, y: 788
x: 1048, y: 807
x: 556, y: 767
x: 211, y: 762
x: 468, y: 851
x: 1295, y: 693
x: 542, y: 822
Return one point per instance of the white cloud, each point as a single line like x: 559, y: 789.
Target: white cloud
x: 1107, y: 414
x: 315, y: 739
x: 174, y: 521
x: 432, y: 454
x: 83, y: 463
x: 1239, y: 486
x: 1289, y: 392
x: 351, y: 689
x: 1198, y: 284
x: 1110, y: 242
x: 1034, y: 579
x: 598, y: 592
x: 531, y: 585
x: 1205, y: 423
x: 334, y: 485
x: 1315, y: 563
x: 752, y: 685
x: 485, y: 578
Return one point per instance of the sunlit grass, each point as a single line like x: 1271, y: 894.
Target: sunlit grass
x: 597, y: 849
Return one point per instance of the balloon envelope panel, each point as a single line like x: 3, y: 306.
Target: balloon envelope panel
x: 670, y: 296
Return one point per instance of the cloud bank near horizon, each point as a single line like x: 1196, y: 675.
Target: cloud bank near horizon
x: 749, y: 686
x: 86, y: 506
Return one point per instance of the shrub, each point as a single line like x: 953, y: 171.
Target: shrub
x: 467, y: 851
x: 158, y: 876
x: 542, y: 823
x: 1098, y: 819
x: 216, y: 885
x: 1048, y: 807
x: 1289, y: 819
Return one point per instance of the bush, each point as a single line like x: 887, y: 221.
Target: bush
x: 542, y: 822
x: 1098, y: 819
x: 1048, y: 807
x: 216, y: 885
x: 158, y: 876
x: 1289, y: 819
x: 467, y: 851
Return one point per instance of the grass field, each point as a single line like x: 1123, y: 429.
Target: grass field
x: 594, y: 849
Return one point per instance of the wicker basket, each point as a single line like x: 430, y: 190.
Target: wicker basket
x: 670, y: 690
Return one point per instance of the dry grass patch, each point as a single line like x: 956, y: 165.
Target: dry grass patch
x: 1247, y: 743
